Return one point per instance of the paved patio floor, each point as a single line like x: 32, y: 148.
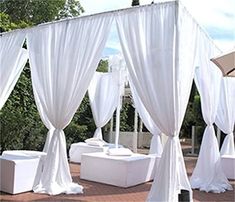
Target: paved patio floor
x: 101, y: 192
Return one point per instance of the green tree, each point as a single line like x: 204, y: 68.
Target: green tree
x: 7, y: 25
x: 103, y: 66
x: 40, y: 11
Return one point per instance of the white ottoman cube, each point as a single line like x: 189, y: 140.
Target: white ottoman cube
x: 228, y: 165
x: 122, y: 171
x: 18, y: 170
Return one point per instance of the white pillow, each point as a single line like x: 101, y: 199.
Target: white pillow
x: 119, y: 152
x: 95, y: 142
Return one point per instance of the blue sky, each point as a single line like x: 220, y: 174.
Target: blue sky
x: 217, y: 17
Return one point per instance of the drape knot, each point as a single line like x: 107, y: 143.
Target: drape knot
x: 98, y: 133
x: 58, y: 130
x: 210, y: 125
x: 173, y: 137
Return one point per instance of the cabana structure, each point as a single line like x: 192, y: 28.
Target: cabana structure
x: 162, y: 45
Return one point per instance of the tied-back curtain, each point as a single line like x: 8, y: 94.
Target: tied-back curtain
x: 104, y: 96
x: 208, y: 175
x: 156, y: 144
x: 63, y: 58
x: 158, y: 44
x: 12, y: 61
x: 225, y: 118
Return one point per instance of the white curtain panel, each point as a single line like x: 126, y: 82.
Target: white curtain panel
x: 63, y: 58
x: 159, y: 52
x: 225, y: 118
x: 208, y: 175
x: 156, y: 144
x: 12, y: 61
x: 104, y: 96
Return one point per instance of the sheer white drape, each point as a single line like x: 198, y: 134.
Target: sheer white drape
x: 156, y: 144
x: 208, y: 175
x: 63, y: 58
x: 104, y: 96
x: 12, y: 61
x: 225, y: 118
x: 162, y: 74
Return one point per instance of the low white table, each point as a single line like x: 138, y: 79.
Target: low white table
x: 228, y: 165
x: 18, y: 170
x: 122, y: 171
x: 77, y: 149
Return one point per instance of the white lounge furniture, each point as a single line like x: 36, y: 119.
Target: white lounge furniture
x: 228, y: 165
x: 122, y: 171
x: 18, y: 170
x: 77, y: 149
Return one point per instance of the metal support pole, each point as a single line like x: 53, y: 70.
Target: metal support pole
x: 117, y: 126
x: 193, y: 140
x: 111, y: 130
x: 135, y: 134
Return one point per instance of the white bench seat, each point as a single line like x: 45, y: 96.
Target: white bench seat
x: 121, y: 171
x: 18, y: 170
x: 228, y: 165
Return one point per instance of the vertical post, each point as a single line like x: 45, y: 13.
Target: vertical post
x: 111, y: 130
x: 140, y: 139
x: 193, y: 140
x: 141, y: 126
x: 118, y: 110
x: 117, y: 125
x: 218, y: 134
x: 135, y: 134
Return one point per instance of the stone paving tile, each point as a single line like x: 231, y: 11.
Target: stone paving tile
x: 97, y: 192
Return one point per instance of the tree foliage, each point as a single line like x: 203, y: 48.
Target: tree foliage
x: 39, y: 11
x: 103, y: 66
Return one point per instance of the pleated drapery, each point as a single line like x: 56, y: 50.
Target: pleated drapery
x: 225, y: 118
x: 12, y: 61
x: 208, y: 174
x: 63, y: 58
x: 162, y: 74
x: 156, y: 144
x: 104, y: 97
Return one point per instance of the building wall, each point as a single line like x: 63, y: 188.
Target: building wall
x: 126, y: 139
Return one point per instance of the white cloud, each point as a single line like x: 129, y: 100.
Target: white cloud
x: 217, y: 17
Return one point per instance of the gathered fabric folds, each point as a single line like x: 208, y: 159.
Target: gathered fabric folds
x: 156, y: 144
x: 104, y: 97
x: 208, y: 174
x: 63, y: 58
x: 12, y: 61
x: 225, y: 118
x: 162, y: 74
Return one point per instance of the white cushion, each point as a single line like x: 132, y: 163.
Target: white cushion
x: 95, y: 142
x: 77, y: 149
x: 119, y: 152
